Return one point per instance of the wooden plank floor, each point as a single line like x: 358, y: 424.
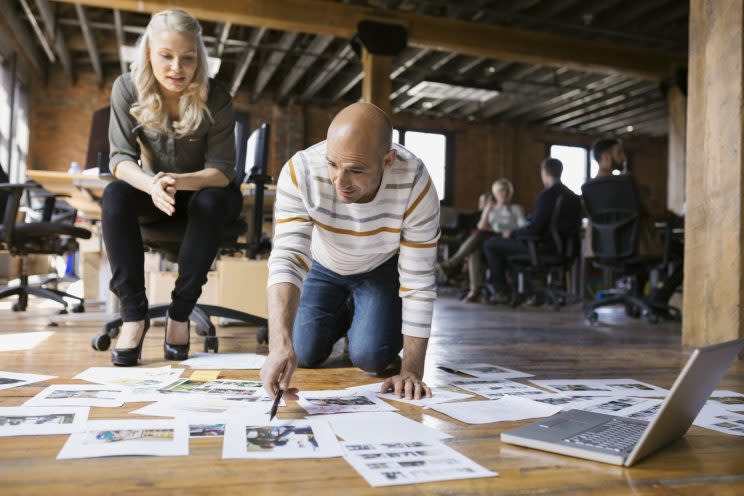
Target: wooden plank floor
x: 547, y: 344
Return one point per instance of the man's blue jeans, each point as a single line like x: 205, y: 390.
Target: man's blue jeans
x: 322, y: 318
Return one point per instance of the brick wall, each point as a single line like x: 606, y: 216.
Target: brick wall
x: 60, y: 122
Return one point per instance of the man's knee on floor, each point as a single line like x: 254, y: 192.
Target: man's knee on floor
x: 370, y: 361
x: 310, y: 357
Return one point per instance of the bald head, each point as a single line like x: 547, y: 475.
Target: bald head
x: 358, y: 150
x: 362, y: 126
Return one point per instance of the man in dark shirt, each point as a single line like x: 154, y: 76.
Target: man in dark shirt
x: 498, y: 249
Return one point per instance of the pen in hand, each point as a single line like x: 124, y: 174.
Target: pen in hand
x: 275, y: 405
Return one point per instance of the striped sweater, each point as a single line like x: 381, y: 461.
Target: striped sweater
x: 310, y: 223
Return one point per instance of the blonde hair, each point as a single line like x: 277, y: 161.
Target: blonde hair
x: 192, y: 104
x: 507, y: 185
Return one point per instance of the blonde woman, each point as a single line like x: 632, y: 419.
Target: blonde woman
x: 499, y: 218
x: 173, y: 154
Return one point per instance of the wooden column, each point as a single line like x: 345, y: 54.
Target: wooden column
x: 714, y: 238
x: 677, y: 155
x: 376, y: 85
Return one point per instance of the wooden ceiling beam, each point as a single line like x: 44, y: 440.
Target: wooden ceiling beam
x: 90, y: 41
x: 439, y: 33
x: 54, y: 33
x: 245, y: 60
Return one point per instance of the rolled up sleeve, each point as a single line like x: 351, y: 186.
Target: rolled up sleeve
x: 122, y: 141
x: 220, y: 153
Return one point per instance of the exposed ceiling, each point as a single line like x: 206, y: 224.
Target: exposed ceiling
x: 299, y: 67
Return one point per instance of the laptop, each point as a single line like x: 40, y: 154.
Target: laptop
x: 622, y: 441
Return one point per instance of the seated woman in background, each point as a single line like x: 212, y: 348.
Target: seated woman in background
x: 173, y: 155
x: 499, y: 218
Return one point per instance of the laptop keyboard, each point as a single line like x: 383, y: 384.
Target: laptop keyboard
x: 615, y: 435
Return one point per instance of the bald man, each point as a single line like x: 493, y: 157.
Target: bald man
x: 355, y: 216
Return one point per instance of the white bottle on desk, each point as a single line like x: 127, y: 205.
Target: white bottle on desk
x: 74, y: 168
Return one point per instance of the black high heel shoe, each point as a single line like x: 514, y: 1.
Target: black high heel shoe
x: 176, y: 351
x: 129, y: 357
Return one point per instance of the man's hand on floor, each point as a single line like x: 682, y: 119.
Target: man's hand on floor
x: 406, y: 385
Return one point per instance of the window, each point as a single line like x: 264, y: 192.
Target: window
x: 13, y: 121
x: 431, y: 148
x: 577, y: 166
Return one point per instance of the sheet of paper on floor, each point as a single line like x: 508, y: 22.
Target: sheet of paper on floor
x: 494, y: 389
x: 721, y: 420
x: 566, y: 402
x: 439, y: 395
x: 14, y: 379
x: 378, y: 427
x: 128, y: 437
x: 622, y: 406
x: 507, y: 408
x: 602, y: 387
x: 341, y: 401
x: 42, y: 420
x: 280, y: 439
x: 222, y: 388
x: 412, y: 462
x: 729, y: 400
x: 225, y: 361
x: 19, y: 341
x: 79, y: 395
x: 487, y: 371
x: 200, y: 405
x: 142, y: 383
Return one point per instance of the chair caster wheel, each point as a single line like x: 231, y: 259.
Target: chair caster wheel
x: 632, y: 311
x: 652, y: 318
x: 211, y: 343
x: 79, y: 308
x: 592, y: 318
x: 52, y: 324
x: 18, y: 308
x: 62, y: 312
x: 262, y: 336
x: 100, y: 342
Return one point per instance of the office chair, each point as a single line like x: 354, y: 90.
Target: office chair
x: 34, y: 238
x: 547, y: 270
x: 613, y: 206
x: 164, y: 237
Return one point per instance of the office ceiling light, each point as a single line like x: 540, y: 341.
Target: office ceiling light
x: 129, y: 53
x: 445, y: 91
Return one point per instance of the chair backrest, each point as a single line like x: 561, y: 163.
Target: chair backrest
x: 564, y: 224
x: 98, y: 142
x: 257, y: 157
x: 4, y: 195
x: 613, y: 206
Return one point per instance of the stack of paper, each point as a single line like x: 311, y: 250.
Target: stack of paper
x: 508, y: 408
x: 410, y: 462
x: 721, y: 420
